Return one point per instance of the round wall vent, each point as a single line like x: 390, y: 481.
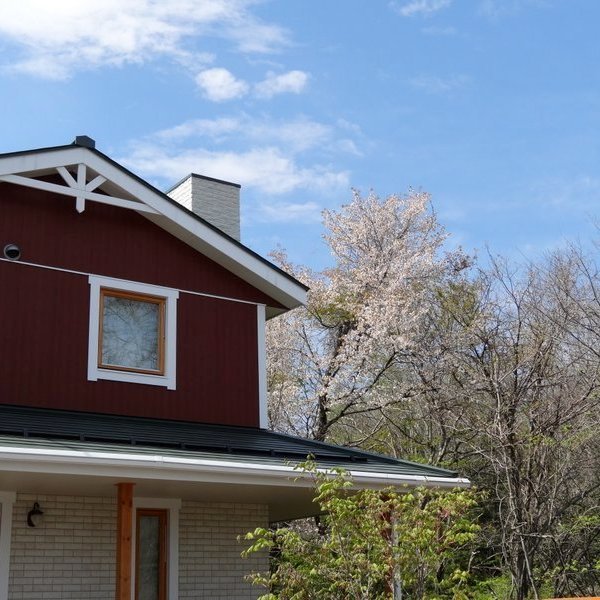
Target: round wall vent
x: 12, y: 252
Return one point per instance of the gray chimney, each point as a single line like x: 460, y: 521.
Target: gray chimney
x: 216, y: 201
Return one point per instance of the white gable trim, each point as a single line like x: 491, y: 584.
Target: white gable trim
x: 263, y: 415
x: 157, y: 208
x: 38, y: 161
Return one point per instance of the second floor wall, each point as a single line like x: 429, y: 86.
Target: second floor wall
x: 47, y: 303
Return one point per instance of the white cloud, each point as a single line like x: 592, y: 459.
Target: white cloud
x: 220, y: 84
x: 349, y: 126
x: 299, y: 134
x: 216, y: 129
x: 439, y: 31
x: 289, y: 212
x: 263, y: 153
x: 253, y: 36
x: 291, y: 82
x: 420, y: 7
x: 499, y: 8
x: 296, y: 135
x: 577, y: 193
x: 267, y: 169
x: 59, y: 37
x: 348, y: 146
x: 439, y: 85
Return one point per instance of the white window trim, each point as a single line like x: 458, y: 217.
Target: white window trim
x: 172, y: 505
x: 95, y: 372
x: 7, y: 499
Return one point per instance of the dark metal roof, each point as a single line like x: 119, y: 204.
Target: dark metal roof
x: 85, y: 431
x: 164, y: 196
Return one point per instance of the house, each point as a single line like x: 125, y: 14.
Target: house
x: 133, y: 428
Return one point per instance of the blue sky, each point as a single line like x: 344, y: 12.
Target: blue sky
x: 492, y: 106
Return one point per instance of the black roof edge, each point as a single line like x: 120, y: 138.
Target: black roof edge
x: 358, y: 453
x: 206, y: 178
x: 165, y: 197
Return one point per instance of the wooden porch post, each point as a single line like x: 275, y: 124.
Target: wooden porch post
x: 124, y: 531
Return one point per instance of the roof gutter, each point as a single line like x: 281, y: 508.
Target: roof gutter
x: 129, y: 465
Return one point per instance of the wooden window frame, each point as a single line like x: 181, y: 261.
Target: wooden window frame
x: 161, y: 302
x: 166, y: 377
x: 163, y: 515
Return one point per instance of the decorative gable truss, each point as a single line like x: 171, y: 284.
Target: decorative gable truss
x: 90, y: 176
x: 81, y: 188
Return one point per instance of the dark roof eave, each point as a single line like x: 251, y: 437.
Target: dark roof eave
x: 146, y: 433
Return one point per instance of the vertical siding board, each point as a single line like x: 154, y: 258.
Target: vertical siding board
x: 44, y: 329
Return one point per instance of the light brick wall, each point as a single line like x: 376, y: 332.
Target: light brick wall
x: 209, y: 553
x: 70, y: 555
x: 217, y: 202
x: 183, y: 193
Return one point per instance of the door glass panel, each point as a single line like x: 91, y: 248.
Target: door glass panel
x: 149, y: 557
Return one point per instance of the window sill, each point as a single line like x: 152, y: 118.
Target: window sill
x: 126, y: 377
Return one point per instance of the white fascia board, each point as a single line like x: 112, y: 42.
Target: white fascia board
x: 170, y: 218
x: 171, y: 468
x: 263, y: 419
x: 39, y: 161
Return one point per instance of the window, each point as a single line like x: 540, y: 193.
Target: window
x: 132, y: 332
x: 131, y: 336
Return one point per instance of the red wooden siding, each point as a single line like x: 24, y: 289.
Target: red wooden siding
x: 110, y: 241
x: 45, y: 314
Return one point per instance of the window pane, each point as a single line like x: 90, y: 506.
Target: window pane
x: 148, y: 557
x: 130, y: 332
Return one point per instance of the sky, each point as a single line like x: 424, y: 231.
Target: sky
x: 491, y: 106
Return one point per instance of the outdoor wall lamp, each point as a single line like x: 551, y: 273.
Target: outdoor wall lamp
x: 34, y: 512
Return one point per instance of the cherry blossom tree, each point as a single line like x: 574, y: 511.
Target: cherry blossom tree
x: 329, y: 361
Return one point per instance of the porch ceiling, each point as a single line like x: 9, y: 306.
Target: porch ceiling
x: 285, y: 503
